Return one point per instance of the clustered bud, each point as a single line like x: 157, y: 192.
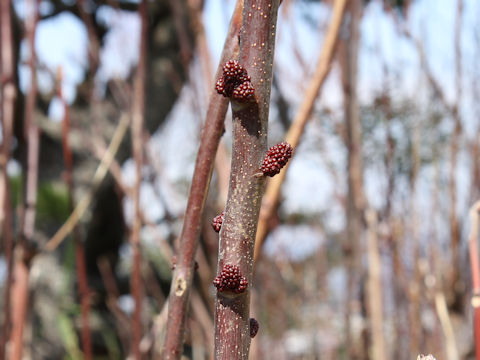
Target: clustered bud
x: 235, y: 82
x: 218, y: 221
x: 230, y: 279
x: 243, y: 91
x: 253, y: 327
x: 276, y: 158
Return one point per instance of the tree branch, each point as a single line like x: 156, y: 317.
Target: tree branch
x: 8, y: 96
x: 475, y: 266
x: 250, y: 120
x: 24, y: 252
x: 137, y: 126
x: 213, y: 129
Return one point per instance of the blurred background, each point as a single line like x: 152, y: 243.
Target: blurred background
x: 366, y: 256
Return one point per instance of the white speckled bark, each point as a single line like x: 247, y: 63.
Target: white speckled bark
x: 237, y: 236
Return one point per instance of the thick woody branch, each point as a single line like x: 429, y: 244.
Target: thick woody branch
x: 212, y: 131
x: 237, y: 236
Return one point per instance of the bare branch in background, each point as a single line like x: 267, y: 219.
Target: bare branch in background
x: 356, y: 201
x: 24, y: 249
x: 97, y: 179
x: 8, y: 96
x: 137, y: 128
x: 83, y: 289
x: 374, y: 283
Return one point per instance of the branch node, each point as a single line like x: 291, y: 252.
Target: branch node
x: 235, y: 83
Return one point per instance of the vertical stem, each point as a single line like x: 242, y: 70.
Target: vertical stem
x: 23, y: 256
x: 83, y: 289
x: 8, y: 253
x: 211, y: 134
x: 137, y: 141
x: 375, y: 296
x: 416, y: 283
x: 355, y: 197
x: 475, y: 265
x: 447, y: 326
x: 454, y: 144
x: 93, y: 45
x: 8, y: 96
x: 237, y: 237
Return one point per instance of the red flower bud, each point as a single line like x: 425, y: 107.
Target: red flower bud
x: 276, y: 158
x: 230, y: 279
x: 218, y: 221
x: 235, y: 82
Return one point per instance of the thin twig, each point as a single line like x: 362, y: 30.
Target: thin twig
x: 375, y: 296
x: 20, y: 291
x: 446, y: 322
x: 122, y: 321
x: 475, y: 266
x: 83, y: 289
x: 137, y: 125
x: 98, y: 177
x: 8, y: 96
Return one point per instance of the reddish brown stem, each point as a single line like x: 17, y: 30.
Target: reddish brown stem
x: 79, y: 250
x: 475, y: 266
x: 137, y: 141
x: 212, y: 131
x: 8, y: 96
x: 237, y: 237
x: 122, y: 320
x: 23, y: 257
x: 8, y: 253
x: 19, y: 299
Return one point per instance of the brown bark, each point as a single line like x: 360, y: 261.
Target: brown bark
x: 24, y: 254
x: 137, y: 128
x: 211, y: 134
x: 454, y: 147
x: 250, y: 120
x: 475, y: 266
x: 8, y: 97
x: 83, y: 289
